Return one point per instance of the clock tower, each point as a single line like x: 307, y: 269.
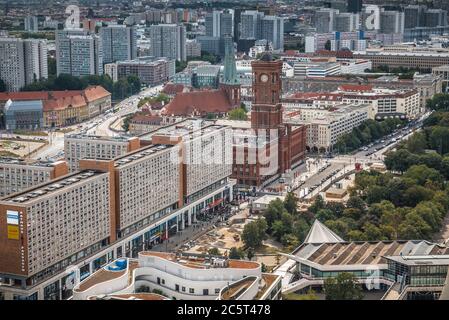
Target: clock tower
x: 267, y: 85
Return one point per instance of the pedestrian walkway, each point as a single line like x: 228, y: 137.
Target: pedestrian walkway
x: 192, y: 232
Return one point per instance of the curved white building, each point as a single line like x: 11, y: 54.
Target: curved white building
x: 181, y: 277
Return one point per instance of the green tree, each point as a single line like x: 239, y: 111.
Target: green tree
x: 372, y: 233
x: 291, y: 203
x: 126, y: 122
x: 250, y: 253
x: 414, y: 227
x: 235, y: 253
x: 254, y: 233
x: 274, y: 211
x: 439, y: 102
x: 422, y: 173
x: 237, y: 114
x: 317, y: 205
x: 417, y: 143
x: 356, y: 202
x: 325, y: 214
x: 376, y: 194
x: 214, y: 252
x: 121, y: 89
x: 300, y: 229
x: 180, y: 65
x: 342, y: 287
x: 356, y: 235
x: 51, y: 62
x: 445, y: 167
x: 339, y: 226
x: 439, y: 139
x: 327, y: 45
x: 415, y: 194
x: 134, y: 84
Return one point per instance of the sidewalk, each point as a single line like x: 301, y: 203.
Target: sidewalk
x: 192, y: 232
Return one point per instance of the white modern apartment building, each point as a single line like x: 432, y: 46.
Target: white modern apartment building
x: 22, y: 62
x: 168, y: 40
x: 316, y: 69
x: 31, y: 24
x: 325, y: 127
x: 259, y: 47
x: 354, y: 66
x: 125, y: 206
x: 193, y: 48
x: 387, y: 102
x: 78, y: 146
x: 78, y: 53
x: 256, y: 25
x: 151, y: 71
x: 182, y: 277
x: 382, y: 102
x: 17, y: 175
x: 119, y: 43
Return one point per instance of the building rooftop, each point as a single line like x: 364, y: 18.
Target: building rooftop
x: 33, y: 163
x: 266, y: 199
x: 203, y: 262
x: 130, y: 296
x: 184, y: 126
x: 198, y: 103
x: 109, y: 272
x: 236, y: 289
x: 365, y: 253
x: 319, y: 233
x: 235, y: 124
x: 421, y: 260
x: 132, y: 157
x: 29, y: 105
x: 96, y: 138
x: 34, y: 193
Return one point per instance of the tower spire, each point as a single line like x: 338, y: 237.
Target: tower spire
x: 230, y: 70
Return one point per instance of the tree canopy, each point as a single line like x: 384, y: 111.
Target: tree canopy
x: 237, y: 114
x: 342, y: 287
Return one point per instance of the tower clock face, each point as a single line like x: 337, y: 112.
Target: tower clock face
x: 264, y: 78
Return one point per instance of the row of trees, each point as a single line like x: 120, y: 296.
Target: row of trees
x: 367, y: 132
x: 121, y: 89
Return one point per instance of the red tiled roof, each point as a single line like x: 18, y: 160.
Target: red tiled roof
x: 198, y: 102
x: 146, y: 119
x: 65, y: 102
x: 172, y: 88
x: 95, y: 92
x: 58, y: 100
x: 355, y: 87
x: 64, y: 94
x: 338, y: 54
x: 24, y: 96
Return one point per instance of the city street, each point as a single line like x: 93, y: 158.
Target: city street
x: 95, y: 126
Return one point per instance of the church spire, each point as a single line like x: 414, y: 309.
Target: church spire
x: 230, y: 70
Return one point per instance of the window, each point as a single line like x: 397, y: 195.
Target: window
x: 191, y: 290
x: 183, y: 289
x: 205, y: 292
x: 217, y: 291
